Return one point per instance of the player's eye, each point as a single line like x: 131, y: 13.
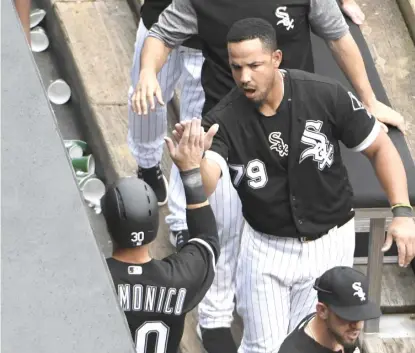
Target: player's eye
x: 254, y: 65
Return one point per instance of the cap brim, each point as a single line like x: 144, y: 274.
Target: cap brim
x: 364, y: 312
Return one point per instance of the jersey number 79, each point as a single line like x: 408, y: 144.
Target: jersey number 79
x: 141, y: 337
x: 255, y: 171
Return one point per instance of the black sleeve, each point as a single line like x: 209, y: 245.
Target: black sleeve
x: 193, y: 267
x: 354, y: 125
x: 220, y: 143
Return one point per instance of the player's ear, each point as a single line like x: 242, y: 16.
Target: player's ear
x: 277, y: 58
x: 322, y: 311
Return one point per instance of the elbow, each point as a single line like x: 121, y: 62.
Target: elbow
x: 157, y: 41
x: 340, y: 43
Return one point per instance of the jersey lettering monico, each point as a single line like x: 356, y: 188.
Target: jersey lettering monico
x: 313, y: 182
x: 155, y: 296
x: 151, y: 299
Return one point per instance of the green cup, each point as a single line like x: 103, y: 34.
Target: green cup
x: 85, y: 164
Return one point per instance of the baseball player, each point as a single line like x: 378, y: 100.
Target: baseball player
x: 292, y: 21
x: 156, y: 294
x: 343, y: 306
x: 145, y: 133
x: 279, y: 134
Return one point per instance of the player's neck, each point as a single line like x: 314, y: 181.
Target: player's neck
x: 271, y: 104
x: 318, y: 330
x: 134, y: 256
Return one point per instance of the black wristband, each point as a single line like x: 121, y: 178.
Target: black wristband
x: 193, y: 186
x: 403, y: 211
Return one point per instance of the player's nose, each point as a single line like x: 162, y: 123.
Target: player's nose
x: 245, y: 76
x: 357, y: 325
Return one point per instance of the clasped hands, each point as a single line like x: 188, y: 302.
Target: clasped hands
x: 191, y: 141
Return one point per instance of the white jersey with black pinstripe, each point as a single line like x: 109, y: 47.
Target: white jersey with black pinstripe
x: 182, y: 70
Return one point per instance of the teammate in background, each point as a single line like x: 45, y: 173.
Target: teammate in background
x: 293, y: 21
x: 342, y: 308
x: 278, y: 133
x: 145, y: 133
x: 23, y: 10
x: 353, y: 10
x: 156, y: 294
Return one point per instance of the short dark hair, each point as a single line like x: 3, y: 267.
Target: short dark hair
x: 253, y: 28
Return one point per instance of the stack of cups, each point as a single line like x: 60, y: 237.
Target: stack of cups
x: 92, y: 188
x: 38, y: 38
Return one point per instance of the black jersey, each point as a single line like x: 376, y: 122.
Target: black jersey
x: 298, y: 341
x: 155, y: 296
x: 289, y: 173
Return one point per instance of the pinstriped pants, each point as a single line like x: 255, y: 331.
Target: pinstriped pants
x: 275, y: 278
x: 182, y: 70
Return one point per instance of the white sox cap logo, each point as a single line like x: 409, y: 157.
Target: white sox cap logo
x: 321, y: 149
x: 285, y: 20
x: 278, y: 144
x: 357, y: 286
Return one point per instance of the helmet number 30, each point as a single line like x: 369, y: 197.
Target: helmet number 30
x: 137, y: 237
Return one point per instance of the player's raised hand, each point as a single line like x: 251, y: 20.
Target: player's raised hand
x: 147, y: 88
x: 402, y: 229
x: 208, y: 136
x: 188, y: 153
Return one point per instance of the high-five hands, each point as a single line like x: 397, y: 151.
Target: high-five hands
x: 188, y: 153
x: 208, y: 136
x: 191, y: 142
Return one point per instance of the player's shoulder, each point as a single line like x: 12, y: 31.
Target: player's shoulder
x: 297, y: 341
x: 315, y: 82
x: 111, y: 263
x: 228, y: 107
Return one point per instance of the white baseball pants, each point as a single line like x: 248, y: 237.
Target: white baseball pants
x: 182, y: 70
x: 275, y: 278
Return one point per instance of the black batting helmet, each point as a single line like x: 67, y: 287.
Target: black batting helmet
x: 130, y: 208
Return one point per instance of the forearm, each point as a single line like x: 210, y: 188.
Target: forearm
x: 154, y: 55
x: 200, y: 219
x: 391, y: 173
x: 348, y: 57
x: 211, y: 173
x: 201, y: 224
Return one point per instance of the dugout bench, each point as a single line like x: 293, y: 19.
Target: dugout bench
x: 370, y: 199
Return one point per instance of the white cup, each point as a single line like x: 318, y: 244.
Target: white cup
x: 36, y: 16
x: 59, y: 92
x: 39, y: 39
